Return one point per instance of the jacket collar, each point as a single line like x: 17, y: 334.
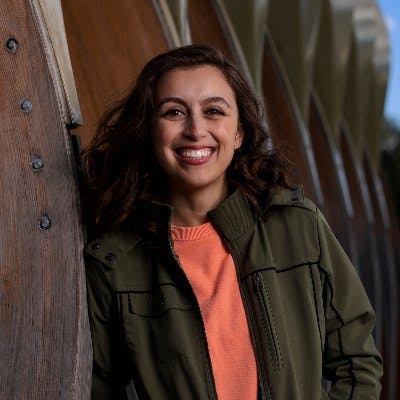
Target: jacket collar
x: 236, y: 215
x: 233, y: 218
x: 294, y: 195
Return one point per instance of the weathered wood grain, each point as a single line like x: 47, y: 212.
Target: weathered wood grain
x: 201, y: 13
x: 286, y: 124
x: 109, y: 43
x: 44, y: 335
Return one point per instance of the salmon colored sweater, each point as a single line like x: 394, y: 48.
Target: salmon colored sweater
x: 211, y: 272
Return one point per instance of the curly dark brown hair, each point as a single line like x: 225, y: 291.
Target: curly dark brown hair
x: 120, y: 167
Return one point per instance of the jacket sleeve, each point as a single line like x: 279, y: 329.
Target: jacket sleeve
x: 110, y: 368
x: 351, y: 361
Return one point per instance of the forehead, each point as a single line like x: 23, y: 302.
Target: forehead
x: 203, y: 80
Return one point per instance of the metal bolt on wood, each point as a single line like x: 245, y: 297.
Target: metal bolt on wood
x: 26, y: 106
x: 12, y: 45
x: 37, y: 163
x: 44, y: 223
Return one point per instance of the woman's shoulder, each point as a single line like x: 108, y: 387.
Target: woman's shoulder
x: 294, y: 221
x: 290, y: 211
x: 289, y: 200
x: 108, y: 247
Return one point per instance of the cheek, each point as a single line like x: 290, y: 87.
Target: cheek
x: 160, y: 136
x: 163, y: 136
x: 232, y: 137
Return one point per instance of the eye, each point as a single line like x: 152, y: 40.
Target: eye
x: 213, y: 111
x: 172, y: 113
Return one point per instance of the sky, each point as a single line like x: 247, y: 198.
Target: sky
x: 391, y: 12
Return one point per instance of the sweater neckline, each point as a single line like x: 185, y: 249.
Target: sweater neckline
x: 198, y: 232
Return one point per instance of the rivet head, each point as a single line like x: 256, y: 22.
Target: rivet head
x: 12, y: 45
x: 110, y: 257
x: 37, y: 163
x: 26, y: 106
x: 95, y: 246
x: 44, y: 223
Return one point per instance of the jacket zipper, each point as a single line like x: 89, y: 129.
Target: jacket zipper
x: 262, y: 368
x: 203, y: 329
x: 266, y: 314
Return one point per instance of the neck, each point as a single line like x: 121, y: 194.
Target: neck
x: 191, y: 209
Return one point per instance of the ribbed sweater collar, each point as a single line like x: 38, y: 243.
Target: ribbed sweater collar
x: 199, y: 232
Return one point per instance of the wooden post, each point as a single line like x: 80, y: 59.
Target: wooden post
x: 45, y: 346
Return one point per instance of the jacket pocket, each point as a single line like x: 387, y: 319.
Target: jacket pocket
x: 154, y: 303
x: 153, y: 321
x: 162, y: 335
x: 268, y: 320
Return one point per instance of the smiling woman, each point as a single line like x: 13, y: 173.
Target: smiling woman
x: 209, y: 277
x: 195, y: 134
x: 188, y: 99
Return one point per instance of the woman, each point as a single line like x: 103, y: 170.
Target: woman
x: 210, y: 277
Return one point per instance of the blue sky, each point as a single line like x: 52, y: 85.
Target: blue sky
x: 391, y: 12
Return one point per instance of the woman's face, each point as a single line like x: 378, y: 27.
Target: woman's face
x: 195, y: 128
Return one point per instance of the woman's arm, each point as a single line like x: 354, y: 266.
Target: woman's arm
x: 351, y: 360
x: 111, y: 370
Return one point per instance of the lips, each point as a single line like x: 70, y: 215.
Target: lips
x: 190, y: 155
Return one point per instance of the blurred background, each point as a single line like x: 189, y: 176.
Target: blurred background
x: 327, y: 72
x: 390, y: 10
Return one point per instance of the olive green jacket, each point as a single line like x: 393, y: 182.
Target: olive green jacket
x: 308, y: 314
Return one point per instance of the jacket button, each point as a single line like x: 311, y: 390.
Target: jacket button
x: 110, y: 257
x: 95, y: 246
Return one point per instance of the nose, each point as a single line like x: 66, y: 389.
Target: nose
x: 195, y: 128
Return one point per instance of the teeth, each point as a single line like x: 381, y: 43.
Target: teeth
x: 191, y: 153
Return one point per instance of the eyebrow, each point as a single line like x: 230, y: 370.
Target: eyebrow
x: 171, y: 100
x: 215, y: 99
x: 183, y: 102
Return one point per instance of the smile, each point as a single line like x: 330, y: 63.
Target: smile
x: 193, y: 155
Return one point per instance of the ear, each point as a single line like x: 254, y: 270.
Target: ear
x: 238, y: 137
